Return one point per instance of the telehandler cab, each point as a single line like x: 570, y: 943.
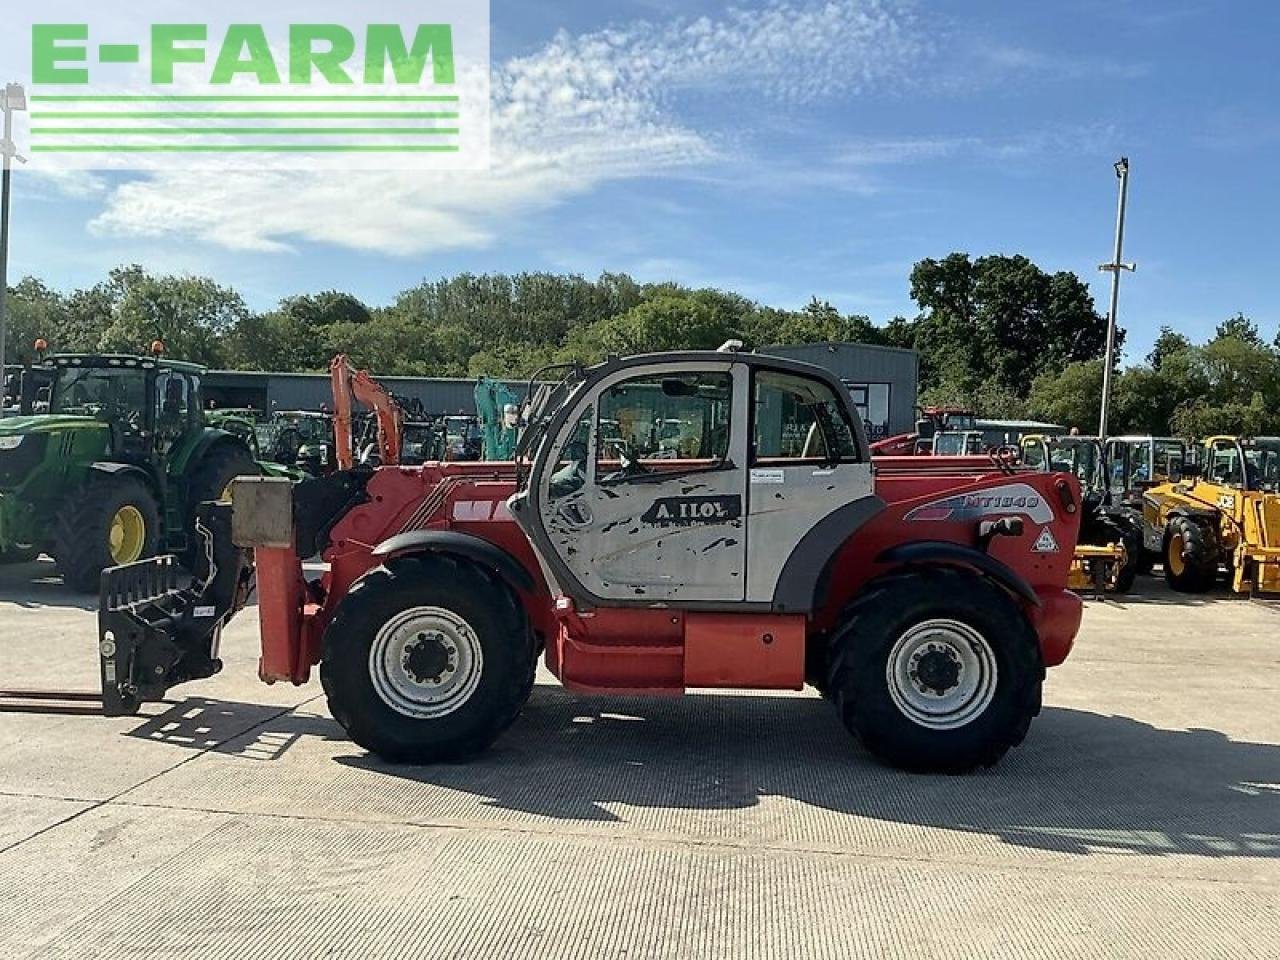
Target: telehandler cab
x: 924, y: 597
x: 1109, y: 550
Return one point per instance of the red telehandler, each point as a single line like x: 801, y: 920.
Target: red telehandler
x: 673, y: 521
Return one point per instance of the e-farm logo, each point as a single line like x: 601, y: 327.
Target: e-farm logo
x: 406, y: 86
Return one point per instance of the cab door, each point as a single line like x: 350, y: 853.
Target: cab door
x: 638, y: 497
x: 806, y: 467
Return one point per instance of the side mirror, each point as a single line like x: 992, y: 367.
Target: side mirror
x: 1189, y: 471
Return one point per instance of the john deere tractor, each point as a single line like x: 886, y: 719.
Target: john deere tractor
x: 1225, y: 511
x: 113, y: 472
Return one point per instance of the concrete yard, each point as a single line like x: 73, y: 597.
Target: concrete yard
x: 1140, y: 819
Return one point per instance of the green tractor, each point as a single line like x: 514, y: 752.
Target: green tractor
x: 113, y: 471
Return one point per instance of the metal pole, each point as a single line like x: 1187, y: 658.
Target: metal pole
x: 4, y: 246
x: 1114, y: 268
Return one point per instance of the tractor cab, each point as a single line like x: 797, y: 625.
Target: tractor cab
x: 1251, y: 464
x: 623, y: 513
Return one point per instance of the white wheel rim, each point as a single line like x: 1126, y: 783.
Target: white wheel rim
x: 425, y: 662
x: 941, y: 674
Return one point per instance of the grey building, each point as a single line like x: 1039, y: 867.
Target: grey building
x: 311, y: 391
x: 882, y: 380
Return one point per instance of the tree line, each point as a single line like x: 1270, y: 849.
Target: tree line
x: 996, y: 333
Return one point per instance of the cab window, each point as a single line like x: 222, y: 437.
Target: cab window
x: 1225, y: 466
x: 648, y: 422
x: 798, y: 418
x: 570, y: 473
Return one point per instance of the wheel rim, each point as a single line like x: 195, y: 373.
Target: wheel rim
x: 425, y: 662
x: 941, y: 674
x: 1176, y: 564
x: 127, y: 534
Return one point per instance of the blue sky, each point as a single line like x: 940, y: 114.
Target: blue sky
x: 781, y: 149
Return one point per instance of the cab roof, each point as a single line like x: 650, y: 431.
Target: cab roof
x: 121, y: 360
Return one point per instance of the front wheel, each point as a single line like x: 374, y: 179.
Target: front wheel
x: 936, y: 670
x: 427, y: 660
x: 113, y: 520
x: 1190, y: 556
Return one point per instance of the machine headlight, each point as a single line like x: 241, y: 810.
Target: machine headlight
x: 13, y: 442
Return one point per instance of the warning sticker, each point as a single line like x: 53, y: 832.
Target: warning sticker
x: 1045, y: 543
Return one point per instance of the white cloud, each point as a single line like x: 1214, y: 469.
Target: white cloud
x: 581, y: 111
x: 1050, y: 141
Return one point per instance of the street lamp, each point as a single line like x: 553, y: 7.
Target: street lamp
x: 1114, y: 267
x: 13, y: 100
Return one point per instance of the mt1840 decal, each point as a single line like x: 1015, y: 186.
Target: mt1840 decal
x: 1004, y: 499
x: 681, y: 511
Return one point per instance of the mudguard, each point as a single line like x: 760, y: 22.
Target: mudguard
x: 943, y: 553
x: 459, y: 544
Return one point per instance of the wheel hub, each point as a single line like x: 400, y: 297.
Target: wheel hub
x: 941, y: 674
x: 430, y: 657
x: 936, y: 669
x: 425, y: 662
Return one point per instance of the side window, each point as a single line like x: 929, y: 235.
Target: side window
x: 799, y: 418
x: 648, y: 419
x: 571, y: 469
x: 172, y: 409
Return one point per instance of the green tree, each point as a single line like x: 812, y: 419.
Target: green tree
x: 999, y: 318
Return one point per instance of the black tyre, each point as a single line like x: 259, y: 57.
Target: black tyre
x: 210, y: 480
x: 427, y: 660
x: 111, y: 520
x: 1190, y: 555
x: 936, y: 670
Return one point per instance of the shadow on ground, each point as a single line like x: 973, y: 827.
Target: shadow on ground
x: 254, y: 731
x: 38, y: 584
x: 1082, y: 782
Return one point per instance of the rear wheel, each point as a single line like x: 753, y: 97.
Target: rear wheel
x: 1190, y: 556
x: 936, y: 671
x: 112, y: 520
x: 427, y: 660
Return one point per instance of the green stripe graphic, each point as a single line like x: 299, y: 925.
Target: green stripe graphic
x: 246, y: 131
x: 242, y: 98
x: 220, y: 115
x: 238, y: 148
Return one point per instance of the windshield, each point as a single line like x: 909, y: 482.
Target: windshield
x: 106, y: 392
x: 1078, y: 457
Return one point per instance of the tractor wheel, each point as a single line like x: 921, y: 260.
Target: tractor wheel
x: 211, y: 480
x: 936, y: 670
x: 112, y: 520
x: 427, y: 660
x: 1190, y: 556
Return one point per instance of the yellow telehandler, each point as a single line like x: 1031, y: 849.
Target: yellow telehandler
x: 1224, y: 512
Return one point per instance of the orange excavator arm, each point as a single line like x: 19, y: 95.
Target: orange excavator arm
x: 351, y: 384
